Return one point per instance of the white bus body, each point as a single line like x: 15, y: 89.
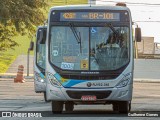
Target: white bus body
x: 82, y: 67
x: 39, y: 63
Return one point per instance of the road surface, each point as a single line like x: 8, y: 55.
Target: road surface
x: 22, y: 98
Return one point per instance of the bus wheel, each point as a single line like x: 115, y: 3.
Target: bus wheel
x: 115, y: 107
x: 57, y: 106
x: 45, y: 97
x: 69, y: 106
x: 124, y: 106
x: 129, y: 105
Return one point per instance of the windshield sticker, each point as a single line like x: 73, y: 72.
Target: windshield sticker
x: 93, y: 30
x: 84, y: 64
x: 68, y: 66
x: 55, y: 52
x: 69, y: 58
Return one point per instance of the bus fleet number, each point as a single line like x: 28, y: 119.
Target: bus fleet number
x: 68, y: 66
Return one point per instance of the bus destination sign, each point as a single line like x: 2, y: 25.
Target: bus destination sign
x: 89, y: 16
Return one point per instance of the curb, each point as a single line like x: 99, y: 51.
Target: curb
x: 147, y: 80
x: 11, y: 76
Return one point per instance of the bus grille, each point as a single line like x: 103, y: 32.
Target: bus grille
x: 87, y: 77
x: 79, y: 94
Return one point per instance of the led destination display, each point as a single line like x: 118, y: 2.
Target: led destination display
x: 89, y: 16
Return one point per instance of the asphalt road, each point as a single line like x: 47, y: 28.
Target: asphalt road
x: 22, y: 98
x: 147, y: 69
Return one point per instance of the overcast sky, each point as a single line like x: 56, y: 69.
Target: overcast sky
x: 143, y: 12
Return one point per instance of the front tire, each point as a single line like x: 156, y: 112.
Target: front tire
x: 45, y: 97
x: 115, y: 107
x: 124, y: 106
x: 69, y: 106
x: 57, y: 107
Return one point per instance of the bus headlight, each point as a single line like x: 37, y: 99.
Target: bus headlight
x: 53, y: 80
x: 39, y: 78
x: 124, y: 81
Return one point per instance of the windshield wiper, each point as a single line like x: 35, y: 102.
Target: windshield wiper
x: 113, y: 29
x: 77, y: 35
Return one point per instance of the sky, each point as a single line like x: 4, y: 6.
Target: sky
x: 141, y: 13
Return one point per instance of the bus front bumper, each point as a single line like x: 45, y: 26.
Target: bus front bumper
x: 39, y: 86
x: 75, y: 94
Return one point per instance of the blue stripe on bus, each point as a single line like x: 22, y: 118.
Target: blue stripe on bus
x: 68, y: 82
x: 41, y: 75
x: 71, y: 83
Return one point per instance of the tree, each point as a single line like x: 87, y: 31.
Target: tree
x: 19, y: 17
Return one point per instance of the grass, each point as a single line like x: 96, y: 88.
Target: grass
x: 24, y: 43
x: 5, y: 61
x: 7, y: 57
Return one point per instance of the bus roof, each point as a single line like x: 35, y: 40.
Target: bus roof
x: 93, y: 7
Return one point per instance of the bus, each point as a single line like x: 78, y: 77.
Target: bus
x: 90, y: 56
x: 39, y: 62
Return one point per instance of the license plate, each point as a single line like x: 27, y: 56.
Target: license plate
x: 89, y: 98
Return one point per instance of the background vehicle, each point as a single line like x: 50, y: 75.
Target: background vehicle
x: 39, y: 61
x: 82, y: 65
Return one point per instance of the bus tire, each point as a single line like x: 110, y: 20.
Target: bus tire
x: 45, y: 97
x: 69, y: 106
x: 115, y: 107
x: 129, y: 105
x: 57, y: 107
x: 124, y: 107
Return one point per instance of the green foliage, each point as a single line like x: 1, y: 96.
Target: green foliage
x: 22, y: 17
x: 19, y: 17
x: 66, y: 2
x: 6, y: 33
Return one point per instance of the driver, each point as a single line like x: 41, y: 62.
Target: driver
x: 112, y: 41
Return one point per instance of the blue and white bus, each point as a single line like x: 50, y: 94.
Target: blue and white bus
x: 90, y: 56
x: 39, y: 62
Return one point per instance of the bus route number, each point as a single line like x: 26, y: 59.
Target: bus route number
x: 101, y: 16
x: 69, y: 15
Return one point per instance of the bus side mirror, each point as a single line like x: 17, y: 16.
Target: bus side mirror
x: 31, y: 45
x: 138, y: 34
x: 42, y: 38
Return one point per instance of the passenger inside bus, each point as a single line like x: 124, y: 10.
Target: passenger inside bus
x: 112, y: 41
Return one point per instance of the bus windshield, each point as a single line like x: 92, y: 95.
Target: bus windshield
x: 41, y: 55
x: 100, y: 49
